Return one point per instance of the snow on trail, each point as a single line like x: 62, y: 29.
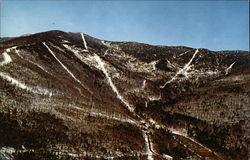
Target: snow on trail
x: 39, y: 66
x: 183, y: 70
x: 187, y: 66
x: 6, y: 58
x: 112, y: 117
x: 168, y: 157
x: 36, y: 64
x: 21, y: 85
x: 101, y: 65
x: 84, y: 41
x: 147, y: 145
x: 182, y: 133
x: 143, y: 84
x: 70, y: 73
x: 98, y: 113
x: 182, y: 54
x: 106, y: 52
x: 77, y: 52
x: 229, y: 68
x: 150, y: 151
x: 13, y: 81
x: 176, y: 132
x: 8, y: 152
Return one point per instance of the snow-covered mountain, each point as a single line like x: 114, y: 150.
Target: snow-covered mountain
x: 72, y: 96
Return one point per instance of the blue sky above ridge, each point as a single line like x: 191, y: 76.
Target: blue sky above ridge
x: 216, y: 25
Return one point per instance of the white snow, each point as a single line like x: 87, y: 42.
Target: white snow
x: 39, y: 66
x: 8, y: 150
x: 57, y: 47
x: 74, y: 50
x: 154, y: 123
x: 106, y: 43
x: 154, y: 98
x: 70, y: 73
x: 167, y: 157
x: 170, y: 64
x: 97, y: 113
x: 18, y: 52
x: 136, y: 65
x: 229, y: 68
x: 85, y: 58
x: 14, y: 81
x: 6, y: 58
x: 147, y: 145
x: 65, y: 41
x: 101, y: 65
x: 36, y: 64
x: 153, y: 63
x: 21, y: 85
x: 211, y: 72
x: 148, y: 151
x: 106, y: 52
x: 185, y: 135
x: 183, y: 70
x: 84, y: 41
x: 187, y: 66
x: 149, y: 148
x: 182, y: 53
x: 143, y: 84
x: 181, y: 132
x: 113, y: 117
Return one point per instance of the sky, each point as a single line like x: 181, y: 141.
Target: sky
x: 216, y: 25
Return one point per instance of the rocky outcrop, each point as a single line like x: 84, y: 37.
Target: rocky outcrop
x: 72, y: 96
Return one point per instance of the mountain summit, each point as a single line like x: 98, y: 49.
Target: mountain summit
x: 72, y: 96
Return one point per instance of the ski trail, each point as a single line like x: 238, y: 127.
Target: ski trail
x: 106, y: 52
x: 8, y: 152
x: 174, y: 132
x: 70, y: 73
x: 39, y: 66
x: 164, y: 156
x: 36, y: 64
x: 187, y: 66
x: 178, y: 133
x: 229, y: 68
x: 84, y: 41
x: 183, y: 135
x: 182, y: 54
x: 98, y: 113
x: 101, y: 65
x: 13, y: 81
x: 147, y: 145
x: 183, y: 70
x: 6, y: 58
x: 143, y: 84
x: 21, y: 85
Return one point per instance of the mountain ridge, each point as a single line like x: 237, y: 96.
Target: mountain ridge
x: 193, y: 99
x: 60, y: 31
